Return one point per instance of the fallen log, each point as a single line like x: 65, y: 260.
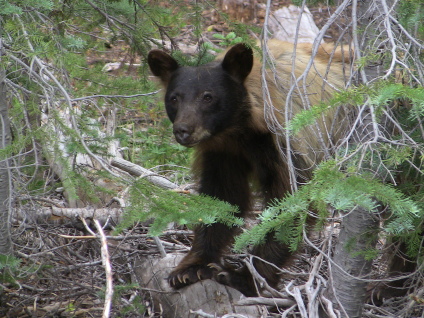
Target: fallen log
x: 203, y: 299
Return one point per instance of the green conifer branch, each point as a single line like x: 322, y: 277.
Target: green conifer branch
x: 343, y: 192
x: 164, y: 207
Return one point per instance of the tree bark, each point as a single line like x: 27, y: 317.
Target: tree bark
x: 350, y: 269
x: 5, y: 183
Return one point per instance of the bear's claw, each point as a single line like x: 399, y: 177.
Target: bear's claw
x: 189, y: 275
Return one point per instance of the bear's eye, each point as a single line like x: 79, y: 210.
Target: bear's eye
x: 173, y: 99
x: 207, y: 97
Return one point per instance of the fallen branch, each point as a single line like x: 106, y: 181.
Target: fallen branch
x: 138, y: 171
x: 297, y: 295
x: 108, y: 270
x: 67, y: 216
x: 278, y: 302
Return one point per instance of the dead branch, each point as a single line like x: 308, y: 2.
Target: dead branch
x: 108, y: 270
x: 278, y: 302
x: 67, y: 216
x: 139, y: 171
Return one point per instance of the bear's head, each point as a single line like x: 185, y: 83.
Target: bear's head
x: 206, y: 101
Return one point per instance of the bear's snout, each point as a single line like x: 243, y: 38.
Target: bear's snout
x: 182, y: 133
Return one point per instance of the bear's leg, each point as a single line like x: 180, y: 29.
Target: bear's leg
x: 223, y: 176
x: 273, y: 252
x: 274, y: 180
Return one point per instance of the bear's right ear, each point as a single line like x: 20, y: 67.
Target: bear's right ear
x: 161, y: 64
x: 238, y: 61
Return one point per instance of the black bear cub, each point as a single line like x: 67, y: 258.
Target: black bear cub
x: 218, y: 109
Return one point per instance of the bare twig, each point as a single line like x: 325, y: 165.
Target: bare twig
x: 296, y: 294
x: 113, y: 96
x: 108, y: 271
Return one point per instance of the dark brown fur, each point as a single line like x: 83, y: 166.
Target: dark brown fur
x: 219, y: 109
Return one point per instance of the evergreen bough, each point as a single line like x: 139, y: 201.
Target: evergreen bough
x: 148, y: 202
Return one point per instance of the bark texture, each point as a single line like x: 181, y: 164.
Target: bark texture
x: 350, y: 268
x: 204, y: 298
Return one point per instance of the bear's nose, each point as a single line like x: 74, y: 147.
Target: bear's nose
x: 183, y: 133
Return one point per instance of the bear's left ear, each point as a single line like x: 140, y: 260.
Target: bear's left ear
x: 238, y: 61
x: 161, y: 64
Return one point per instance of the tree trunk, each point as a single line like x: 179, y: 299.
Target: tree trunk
x: 5, y: 237
x: 348, y: 290
x: 359, y: 228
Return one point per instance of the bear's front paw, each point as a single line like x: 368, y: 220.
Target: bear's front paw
x: 234, y: 273
x: 181, y: 277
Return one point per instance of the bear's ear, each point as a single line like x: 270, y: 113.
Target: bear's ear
x: 161, y: 64
x: 238, y: 61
